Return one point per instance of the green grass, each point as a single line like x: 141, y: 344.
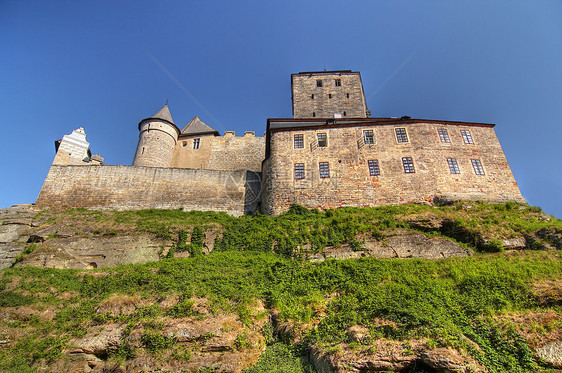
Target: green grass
x: 444, y: 301
x: 441, y: 300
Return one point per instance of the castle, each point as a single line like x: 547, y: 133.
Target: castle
x: 330, y: 154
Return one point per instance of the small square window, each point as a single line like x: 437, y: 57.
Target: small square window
x: 319, y: 83
x: 408, y: 164
x: 322, y: 139
x: 299, y: 171
x: 443, y: 135
x: 453, y: 166
x: 477, y: 165
x: 401, y: 135
x: 329, y: 95
x: 338, y: 82
x: 368, y: 137
x: 467, y: 137
x: 374, y: 169
x: 299, y: 141
x: 196, y: 143
x: 324, y: 169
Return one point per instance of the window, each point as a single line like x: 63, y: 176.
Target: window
x: 322, y: 139
x: 347, y: 95
x: 477, y: 165
x: 312, y: 96
x: 329, y: 95
x: 299, y: 171
x: 324, y: 169
x: 368, y: 137
x: 319, y: 83
x: 443, y: 135
x: 401, y: 135
x: 374, y: 169
x: 467, y: 137
x: 408, y: 165
x: 183, y: 144
x: 196, y: 143
x: 313, y: 113
x: 338, y: 82
x: 344, y: 113
x: 299, y: 141
x: 453, y: 166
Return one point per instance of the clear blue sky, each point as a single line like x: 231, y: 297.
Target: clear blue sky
x: 98, y: 65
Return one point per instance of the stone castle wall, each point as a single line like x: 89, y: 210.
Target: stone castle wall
x: 135, y: 188
x: 229, y: 152
x: 350, y: 183
x: 348, y: 99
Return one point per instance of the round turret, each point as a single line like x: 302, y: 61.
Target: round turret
x: 157, y: 140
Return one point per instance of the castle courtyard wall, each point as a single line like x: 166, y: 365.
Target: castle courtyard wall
x: 229, y: 152
x: 135, y: 188
x: 350, y: 183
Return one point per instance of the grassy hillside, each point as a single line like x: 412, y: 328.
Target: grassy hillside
x: 494, y: 308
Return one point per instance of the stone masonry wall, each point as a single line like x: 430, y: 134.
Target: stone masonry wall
x: 135, y: 188
x: 350, y: 183
x: 157, y: 141
x: 324, y: 106
x: 229, y: 152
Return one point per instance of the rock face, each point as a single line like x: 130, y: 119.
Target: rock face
x: 391, y: 356
x: 15, y: 225
x: 401, y: 243
x: 96, y: 252
x: 552, y: 354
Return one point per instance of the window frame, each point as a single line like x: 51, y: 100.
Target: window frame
x: 453, y: 166
x: 408, y: 165
x: 478, y: 167
x: 444, y: 135
x: 299, y: 141
x: 399, y: 138
x: 337, y: 82
x: 299, y: 171
x: 324, y: 170
x: 371, y: 137
x: 319, y: 83
x: 374, y: 167
x: 467, y: 137
x: 325, y: 135
x: 196, y: 143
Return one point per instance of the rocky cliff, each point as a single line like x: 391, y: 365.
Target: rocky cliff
x: 463, y: 288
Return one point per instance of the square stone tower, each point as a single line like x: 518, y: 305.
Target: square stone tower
x: 328, y: 94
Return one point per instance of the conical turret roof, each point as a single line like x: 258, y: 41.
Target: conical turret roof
x: 197, y: 127
x: 163, y: 115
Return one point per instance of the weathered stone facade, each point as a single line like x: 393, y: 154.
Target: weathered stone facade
x: 228, y: 152
x: 328, y: 94
x: 348, y: 180
x: 133, y: 188
x: 330, y: 155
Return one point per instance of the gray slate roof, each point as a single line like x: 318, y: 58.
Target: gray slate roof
x: 197, y: 126
x: 164, y: 114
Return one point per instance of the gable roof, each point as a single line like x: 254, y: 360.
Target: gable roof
x: 197, y: 127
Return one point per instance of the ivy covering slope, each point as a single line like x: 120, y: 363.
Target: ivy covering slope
x: 445, y: 303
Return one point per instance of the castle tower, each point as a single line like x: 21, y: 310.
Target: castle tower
x: 157, y: 140
x: 328, y: 94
